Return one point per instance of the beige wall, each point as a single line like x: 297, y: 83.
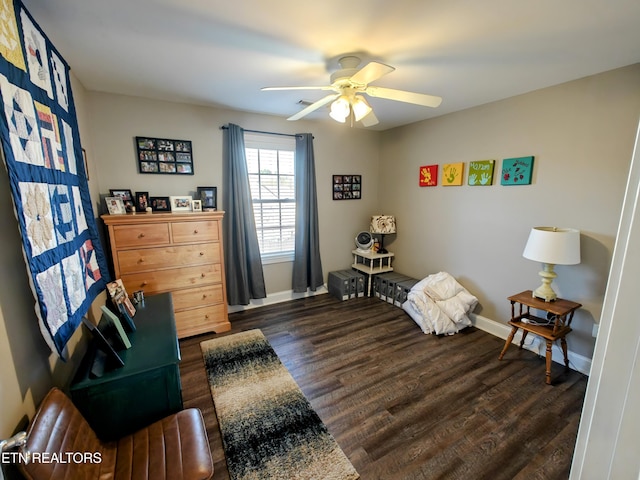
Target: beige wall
x: 581, y: 134
x: 117, y: 120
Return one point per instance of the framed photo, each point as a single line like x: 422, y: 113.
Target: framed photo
x: 181, y: 204
x: 209, y: 198
x: 115, y: 205
x: 163, y: 155
x: 160, y: 204
x: 196, y: 205
x: 142, y: 201
x: 122, y: 341
x: 112, y: 359
x: 118, y: 295
x: 347, y: 187
x: 126, y: 196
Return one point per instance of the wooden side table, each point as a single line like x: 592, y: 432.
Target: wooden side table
x: 556, y: 326
x: 372, y: 264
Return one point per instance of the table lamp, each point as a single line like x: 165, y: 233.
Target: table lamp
x: 552, y: 246
x: 382, y: 225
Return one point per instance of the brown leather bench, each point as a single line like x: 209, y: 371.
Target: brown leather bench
x: 173, y: 448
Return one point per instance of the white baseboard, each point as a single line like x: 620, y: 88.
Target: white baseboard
x: 277, y: 297
x: 533, y: 343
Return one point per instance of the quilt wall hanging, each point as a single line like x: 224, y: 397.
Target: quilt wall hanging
x: 43, y: 157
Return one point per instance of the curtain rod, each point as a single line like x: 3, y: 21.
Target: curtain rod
x: 224, y: 127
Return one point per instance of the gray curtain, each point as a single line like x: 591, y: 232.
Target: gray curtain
x: 307, y: 268
x: 243, y: 265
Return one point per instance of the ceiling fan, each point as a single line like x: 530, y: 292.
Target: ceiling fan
x: 349, y: 83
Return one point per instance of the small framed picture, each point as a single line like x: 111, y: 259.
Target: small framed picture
x: 115, y: 205
x: 196, y: 205
x: 142, y: 201
x: 126, y: 196
x: 160, y: 204
x: 181, y: 204
x: 209, y: 198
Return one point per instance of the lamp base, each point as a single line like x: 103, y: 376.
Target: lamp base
x: 544, y: 291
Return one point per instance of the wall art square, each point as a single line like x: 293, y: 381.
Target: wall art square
x: 428, y: 176
x: 481, y: 172
x: 452, y: 174
x: 517, y: 171
x: 347, y: 187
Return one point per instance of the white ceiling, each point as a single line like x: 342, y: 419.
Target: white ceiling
x: 221, y: 52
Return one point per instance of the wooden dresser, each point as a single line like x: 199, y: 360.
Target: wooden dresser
x: 178, y: 253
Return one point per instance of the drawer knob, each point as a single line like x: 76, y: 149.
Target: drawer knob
x: 202, y: 275
x: 141, y: 260
x: 201, y: 254
x: 207, y: 317
x: 195, y: 231
x: 141, y: 235
x: 144, y: 284
x: 204, y: 295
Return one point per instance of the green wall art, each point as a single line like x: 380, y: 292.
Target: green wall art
x: 481, y: 172
x: 517, y: 171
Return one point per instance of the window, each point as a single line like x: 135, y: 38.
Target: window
x: 270, y: 162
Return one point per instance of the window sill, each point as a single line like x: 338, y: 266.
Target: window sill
x: 277, y: 258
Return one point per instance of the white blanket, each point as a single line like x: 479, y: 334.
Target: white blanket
x: 439, y: 304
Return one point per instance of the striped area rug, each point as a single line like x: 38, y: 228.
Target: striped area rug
x: 269, y: 429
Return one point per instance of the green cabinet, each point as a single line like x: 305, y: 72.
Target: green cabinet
x: 147, y: 388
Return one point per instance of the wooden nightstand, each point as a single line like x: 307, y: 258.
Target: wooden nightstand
x: 556, y: 326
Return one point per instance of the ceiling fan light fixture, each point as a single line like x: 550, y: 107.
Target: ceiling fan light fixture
x: 340, y: 109
x: 360, y: 108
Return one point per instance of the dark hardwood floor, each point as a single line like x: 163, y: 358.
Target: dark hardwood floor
x: 404, y: 405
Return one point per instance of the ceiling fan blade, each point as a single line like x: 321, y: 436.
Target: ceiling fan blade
x: 323, y: 87
x: 371, y: 72
x: 369, y: 120
x: 402, y: 96
x: 314, y: 106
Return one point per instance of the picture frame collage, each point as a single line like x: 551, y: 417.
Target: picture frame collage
x: 122, y: 201
x: 164, y: 156
x: 347, y: 187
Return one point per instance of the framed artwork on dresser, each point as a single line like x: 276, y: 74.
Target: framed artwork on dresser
x: 160, y: 204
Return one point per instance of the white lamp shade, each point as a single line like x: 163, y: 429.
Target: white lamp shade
x: 383, y: 224
x: 557, y: 246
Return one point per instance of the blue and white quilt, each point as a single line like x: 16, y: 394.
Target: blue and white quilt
x: 43, y: 156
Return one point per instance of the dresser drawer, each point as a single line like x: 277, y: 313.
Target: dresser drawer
x: 172, y: 279
x: 201, y: 320
x: 141, y: 235
x: 197, y: 297
x: 187, y: 232
x: 134, y: 261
